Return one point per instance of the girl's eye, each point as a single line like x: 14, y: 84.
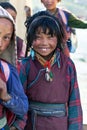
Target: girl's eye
x: 38, y: 37
x: 7, y: 38
x: 50, y: 37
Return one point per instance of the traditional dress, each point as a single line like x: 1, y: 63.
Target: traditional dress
x: 53, y: 93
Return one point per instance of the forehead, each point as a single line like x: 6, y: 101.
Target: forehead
x: 6, y: 26
x: 5, y: 21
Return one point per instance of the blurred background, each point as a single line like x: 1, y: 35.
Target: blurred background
x: 79, y: 8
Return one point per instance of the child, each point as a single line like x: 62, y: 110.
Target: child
x: 21, y: 46
x: 49, y: 77
x: 12, y: 96
x: 68, y: 19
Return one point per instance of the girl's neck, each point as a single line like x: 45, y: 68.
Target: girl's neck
x: 46, y: 58
x: 45, y: 61
x: 53, y: 11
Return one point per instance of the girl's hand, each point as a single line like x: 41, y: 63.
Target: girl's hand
x: 3, y: 91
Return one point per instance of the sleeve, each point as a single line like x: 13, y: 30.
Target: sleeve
x: 23, y: 73
x: 74, y: 110
x: 20, y: 122
x: 18, y: 104
x: 75, y: 22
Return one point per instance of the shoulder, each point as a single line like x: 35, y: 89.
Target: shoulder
x: 8, y: 69
x: 65, y: 11
x: 25, y: 60
x: 71, y: 66
x: 25, y: 64
x: 65, y: 59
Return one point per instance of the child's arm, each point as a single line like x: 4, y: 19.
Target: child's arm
x: 74, y: 103
x: 18, y: 102
x: 75, y: 22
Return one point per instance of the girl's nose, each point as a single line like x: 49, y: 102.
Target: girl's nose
x: 45, y: 41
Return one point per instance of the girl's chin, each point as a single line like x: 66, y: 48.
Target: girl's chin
x: 47, y: 57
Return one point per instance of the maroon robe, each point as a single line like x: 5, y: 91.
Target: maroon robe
x: 56, y: 91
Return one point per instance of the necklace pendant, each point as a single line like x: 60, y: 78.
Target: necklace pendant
x: 48, y: 75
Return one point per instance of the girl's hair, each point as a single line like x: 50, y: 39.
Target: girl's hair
x: 57, y: 0
x: 45, y: 21
x: 7, y: 5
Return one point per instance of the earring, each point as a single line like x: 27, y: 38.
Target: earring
x: 32, y: 53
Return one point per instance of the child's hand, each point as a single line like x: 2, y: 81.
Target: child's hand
x: 3, y: 91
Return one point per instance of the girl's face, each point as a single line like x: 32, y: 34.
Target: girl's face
x: 6, y: 30
x: 12, y: 13
x: 50, y: 4
x: 44, y: 44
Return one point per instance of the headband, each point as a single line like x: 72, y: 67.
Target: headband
x: 40, y: 17
x: 4, y: 13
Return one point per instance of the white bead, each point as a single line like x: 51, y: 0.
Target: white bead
x: 47, y: 76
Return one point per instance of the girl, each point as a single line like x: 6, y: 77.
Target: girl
x: 12, y: 96
x: 21, y: 46
x: 49, y: 77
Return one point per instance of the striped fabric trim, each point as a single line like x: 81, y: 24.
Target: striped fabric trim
x: 6, y: 70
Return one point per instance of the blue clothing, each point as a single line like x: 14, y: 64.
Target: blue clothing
x: 18, y: 104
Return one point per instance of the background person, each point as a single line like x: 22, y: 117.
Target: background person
x: 21, y: 46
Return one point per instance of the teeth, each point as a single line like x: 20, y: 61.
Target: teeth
x: 44, y: 49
